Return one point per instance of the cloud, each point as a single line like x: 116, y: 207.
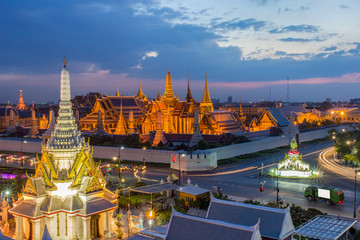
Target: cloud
x: 280, y: 53
x: 346, y: 78
x: 91, y: 68
x: 296, y: 28
x: 138, y: 67
x: 151, y: 54
x: 343, y: 6
x: 242, y: 24
x: 291, y: 39
x: 330, y: 48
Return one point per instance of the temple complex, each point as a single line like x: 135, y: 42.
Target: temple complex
x: 66, y: 198
x: 124, y: 115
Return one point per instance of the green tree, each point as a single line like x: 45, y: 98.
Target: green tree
x: 119, y: 232
x: 203, y: 144
x: 132, y: 141
x: 18, y: 183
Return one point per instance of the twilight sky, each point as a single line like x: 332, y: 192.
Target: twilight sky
x: 247, y: 48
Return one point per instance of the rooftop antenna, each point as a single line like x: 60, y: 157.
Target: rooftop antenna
x: 270, y: 92
x: 288, y: 90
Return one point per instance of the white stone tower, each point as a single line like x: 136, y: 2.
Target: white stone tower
x: 66, y: 198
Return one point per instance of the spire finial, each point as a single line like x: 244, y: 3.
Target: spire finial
x: 117, y: 92
x: 65, y: 61
x: 206, y: 97
x: 169, y: 94
x: 188, y: 94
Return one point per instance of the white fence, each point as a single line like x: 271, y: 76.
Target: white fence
x: 196, y: 161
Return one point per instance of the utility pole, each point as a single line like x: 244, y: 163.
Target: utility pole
x: 277, y: 190
x: 277, y: 187
x: 356, y: 171
x: 179, y: 171
x: 288, y: 90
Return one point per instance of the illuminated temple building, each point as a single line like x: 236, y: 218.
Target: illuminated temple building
x: 66, y: 198
x: 137, y: 114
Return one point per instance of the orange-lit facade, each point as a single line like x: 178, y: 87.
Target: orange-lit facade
x: 137, y: 114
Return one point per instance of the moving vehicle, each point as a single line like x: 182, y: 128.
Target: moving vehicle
x: 329, y: 194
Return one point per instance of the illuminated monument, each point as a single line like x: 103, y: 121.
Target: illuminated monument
x: 293, y: 165
x: 66, y: 198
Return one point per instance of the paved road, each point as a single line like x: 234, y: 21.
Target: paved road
x: 241, y: 181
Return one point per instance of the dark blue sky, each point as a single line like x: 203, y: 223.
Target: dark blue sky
x: 246, y: 49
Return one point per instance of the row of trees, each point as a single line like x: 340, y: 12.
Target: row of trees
x: 347, y: 144
x: 135, y: 141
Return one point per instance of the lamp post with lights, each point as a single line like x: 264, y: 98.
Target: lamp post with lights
x: 119, y: 159
x: 356, y: 173
x: 21, y: 151
x: 144, y: 148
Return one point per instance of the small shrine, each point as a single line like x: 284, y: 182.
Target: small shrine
x: 293, y: 165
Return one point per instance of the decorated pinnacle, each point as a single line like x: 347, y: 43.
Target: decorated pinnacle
x: 293, y: 144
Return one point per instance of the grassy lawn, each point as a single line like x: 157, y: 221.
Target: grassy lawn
x: 267, y: 152
x: 251, y: 155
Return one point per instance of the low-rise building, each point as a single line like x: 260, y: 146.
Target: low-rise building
x: 191, y: 193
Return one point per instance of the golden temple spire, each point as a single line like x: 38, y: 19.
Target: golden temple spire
x: 189, y: 97
x: 158, y: 96
x: 21, y: 105
x: 169, y: 94
x: 121, y: 111
x: 206, y: 97
x: 141, y: 95
x: 117, y: 92
x: 65, y: 61
x: 121, y: 127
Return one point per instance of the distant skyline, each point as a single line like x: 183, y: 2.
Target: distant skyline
x: 247, y: 48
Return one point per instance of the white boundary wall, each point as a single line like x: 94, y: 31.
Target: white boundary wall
x: 197, y: 161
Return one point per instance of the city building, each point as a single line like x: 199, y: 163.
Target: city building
x: 344, y: 114
x: 66, y: 198
x: 191, y: 193
x: 271, y: 117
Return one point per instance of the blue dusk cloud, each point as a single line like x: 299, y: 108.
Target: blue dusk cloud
x: 296, y: 28
x: 104, y: 40
x: 242, y: 24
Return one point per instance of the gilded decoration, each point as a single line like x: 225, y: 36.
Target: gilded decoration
x: 30, y: 187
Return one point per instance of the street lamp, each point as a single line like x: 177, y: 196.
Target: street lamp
x: 22, y: 159
x: 120, y: 163
x: 144, y: 148
x: 356, y: 173
x: 22, y: 141
x: 119, y: 159
x: 180, y: 156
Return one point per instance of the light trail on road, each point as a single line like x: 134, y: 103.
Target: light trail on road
x: 222, y: 173
x: 241, y: 169
x: 334, y: 166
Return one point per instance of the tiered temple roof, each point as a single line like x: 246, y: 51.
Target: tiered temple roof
x: 67, y: 183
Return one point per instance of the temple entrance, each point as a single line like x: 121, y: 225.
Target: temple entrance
x: 94, y: 226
